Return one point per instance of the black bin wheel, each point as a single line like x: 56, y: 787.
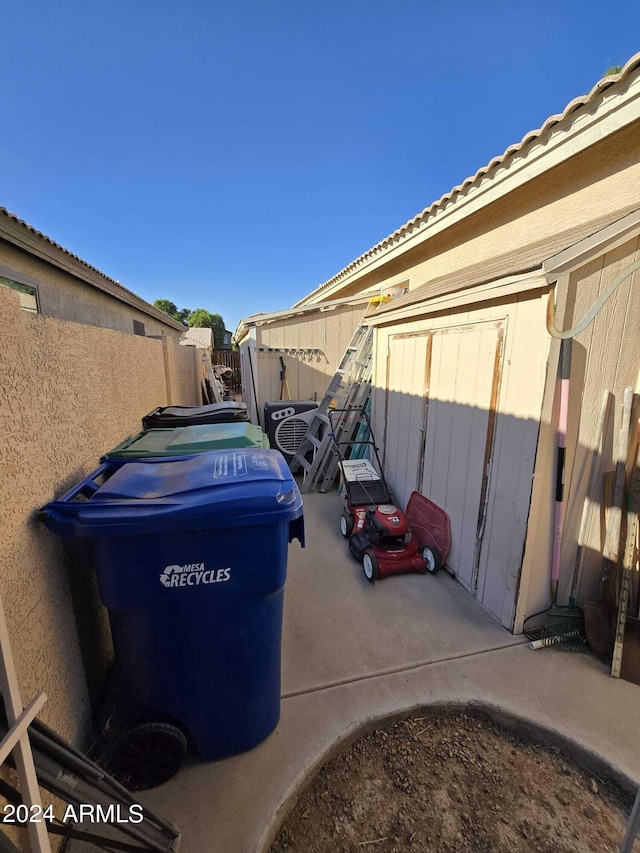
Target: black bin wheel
x: 147, y: 755
x: 432, y: 559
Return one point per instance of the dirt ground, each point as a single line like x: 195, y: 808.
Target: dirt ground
x: 454, y: 783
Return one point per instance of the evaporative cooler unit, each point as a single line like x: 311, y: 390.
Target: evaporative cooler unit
x: 285, y: 423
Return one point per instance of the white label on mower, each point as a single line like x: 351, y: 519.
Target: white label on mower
x: 358, y: 469
x: 193, y: 574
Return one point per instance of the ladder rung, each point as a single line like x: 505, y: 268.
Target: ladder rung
x: 349, y: 387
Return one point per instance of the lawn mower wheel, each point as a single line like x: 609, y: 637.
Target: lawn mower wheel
x: 371, y: 567
x: 432, y: 559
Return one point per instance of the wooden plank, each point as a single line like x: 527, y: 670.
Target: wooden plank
x: 610, y: 321
x: 627, y: 563
x: 533, y: 585
x: 23, y: 756
x: 405, y: 353
x: 425, y: 414
x: 317, y: 365
x: 432, y: 418
x: 493, y: 373
x: 313, y: 383
x: 439, y: 427
x: 262, y: 365
x: 414, y: 414
x: 614, y: 525
x: 413, y: 381
x: 394, y: 406
x: 516, y: 442
x: 381, y: 379
x: 627, y: 372
x: 468, y: 431
x: 458, y: 415
x: 588, y: 505
x: 609, y: 340
x: 494, y: 551
x: 19, y: 729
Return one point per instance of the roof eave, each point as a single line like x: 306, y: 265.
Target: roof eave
x: 13, y: 230
x: 261, y: 319
x: 613, y: 103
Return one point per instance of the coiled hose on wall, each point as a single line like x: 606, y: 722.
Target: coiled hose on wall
x: 591, y: 313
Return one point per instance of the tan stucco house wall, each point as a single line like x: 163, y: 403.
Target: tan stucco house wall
x: 69, y: 392
x: 580, y: 167
x: 70, y: 289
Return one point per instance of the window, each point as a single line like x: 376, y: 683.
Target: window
x: 138, y: 328
x: 28, y: 293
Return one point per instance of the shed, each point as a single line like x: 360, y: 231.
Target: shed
x: 465, y: 399
x: 465, y: 373
x: 310, y: 340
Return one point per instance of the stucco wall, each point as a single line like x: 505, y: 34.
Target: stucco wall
x: 182, y: 372
x: 65, y: 297
x: 68, y: 394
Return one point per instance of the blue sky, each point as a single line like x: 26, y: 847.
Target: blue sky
x: 234, y: 156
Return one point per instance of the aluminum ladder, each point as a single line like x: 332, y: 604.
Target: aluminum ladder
x: 349, y: 389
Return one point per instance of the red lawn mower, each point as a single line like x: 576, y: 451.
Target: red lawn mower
x: 381, y: 536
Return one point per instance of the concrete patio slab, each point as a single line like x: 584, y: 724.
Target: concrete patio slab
x: 339, y: 627
x: 237, y: 805
x: 354, y: 654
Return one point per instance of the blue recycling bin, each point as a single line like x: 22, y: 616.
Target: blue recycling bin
x: 191, y: 559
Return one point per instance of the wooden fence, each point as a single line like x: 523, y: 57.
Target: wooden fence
x: 230, y: 358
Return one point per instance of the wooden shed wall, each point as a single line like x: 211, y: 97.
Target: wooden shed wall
x: 308, y: 374
x: 605, y: 356
x: 412, y: 394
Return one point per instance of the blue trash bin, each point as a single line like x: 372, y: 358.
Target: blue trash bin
x: 191, y: 559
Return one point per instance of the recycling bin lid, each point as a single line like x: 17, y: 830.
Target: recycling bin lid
x: 209, y: 409
x: 181, y: 441
x: 212, y: 413
x: 218, y: 489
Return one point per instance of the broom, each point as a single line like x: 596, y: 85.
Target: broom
x: 569, y: 621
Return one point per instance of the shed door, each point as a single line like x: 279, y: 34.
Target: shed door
x: 407, y: 377
x: 462, y: 395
